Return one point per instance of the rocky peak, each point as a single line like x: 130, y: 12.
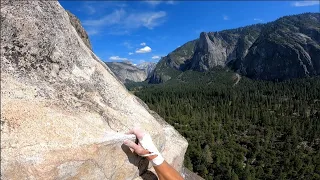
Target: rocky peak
x: 148, y: 67
x: 209, y: 52
x: 126, y: 71
x: 127, y: 62
x: 204, y: 43
x: 284, y: 49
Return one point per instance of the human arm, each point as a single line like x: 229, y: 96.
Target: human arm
x: 166, y: 172
x: 147, y: 149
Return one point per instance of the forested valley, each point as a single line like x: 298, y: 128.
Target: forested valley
x: 250, y: 130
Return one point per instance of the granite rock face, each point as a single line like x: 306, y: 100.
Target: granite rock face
x: 126, y: 71
x: 286, y: 48
x: 63, y: 112
x: 219, y: 48
x: 148, y: 67
x: 208, y: 53
x: 75, y: 22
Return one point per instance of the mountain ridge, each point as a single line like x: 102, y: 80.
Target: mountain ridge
x: 254, y: 51
x: 126, y: 71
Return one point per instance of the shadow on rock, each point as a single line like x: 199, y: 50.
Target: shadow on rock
x: 141, y: 163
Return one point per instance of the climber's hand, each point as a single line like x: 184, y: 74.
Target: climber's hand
x: 145, y: 147
x: 137, y: 148
x: 138, y: 132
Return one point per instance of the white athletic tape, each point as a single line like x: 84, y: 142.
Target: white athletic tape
x: 146, y: 155
x: 146, y: 143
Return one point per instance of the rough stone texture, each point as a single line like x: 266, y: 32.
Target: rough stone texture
x: 63, y: 113
x: 75, y: 22
x: 209, y: 53
x: 286, y: 48
x: 126, y: 71
x: 148, y: 67
x: 190, y: 175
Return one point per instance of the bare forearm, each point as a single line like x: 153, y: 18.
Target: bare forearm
x: 147, y: 149
x: 166, y: 172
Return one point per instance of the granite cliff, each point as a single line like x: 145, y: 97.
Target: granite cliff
x: 286, y: 48
x: 63, y: 112
x: 148, y: 67
x: 127, y: 72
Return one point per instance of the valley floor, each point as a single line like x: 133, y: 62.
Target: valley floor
x: 254, y: 130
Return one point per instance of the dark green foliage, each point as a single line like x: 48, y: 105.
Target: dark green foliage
x: 254, y: 130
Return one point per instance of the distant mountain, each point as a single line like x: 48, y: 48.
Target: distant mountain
x: 148, y: 67
x: 286, y: 48
x: 126, y: 71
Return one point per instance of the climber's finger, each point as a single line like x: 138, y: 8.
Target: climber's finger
x: 131, y: 144
x: 137, y: 149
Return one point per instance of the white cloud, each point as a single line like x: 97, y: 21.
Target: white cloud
x: 157, y: 2
x: 116, y: 31
x: 110, y: 19
x: 155, y: 57
x: 225, y: 17
x: 148, y: 20
x: 127, y: 45
x: 117, y: 58
x: 130, y: 53
x: 145, y: 49
x: 305, y: 3
x: 90, y: 9
x: 171, y: 2
x: 257, y: 19
x: 143, y: 44
x: 120, y: 20
x: 92, y: 32
x: 152, y: 2
x: 93, y: 7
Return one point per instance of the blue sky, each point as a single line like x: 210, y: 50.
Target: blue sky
x: 141, y: 31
